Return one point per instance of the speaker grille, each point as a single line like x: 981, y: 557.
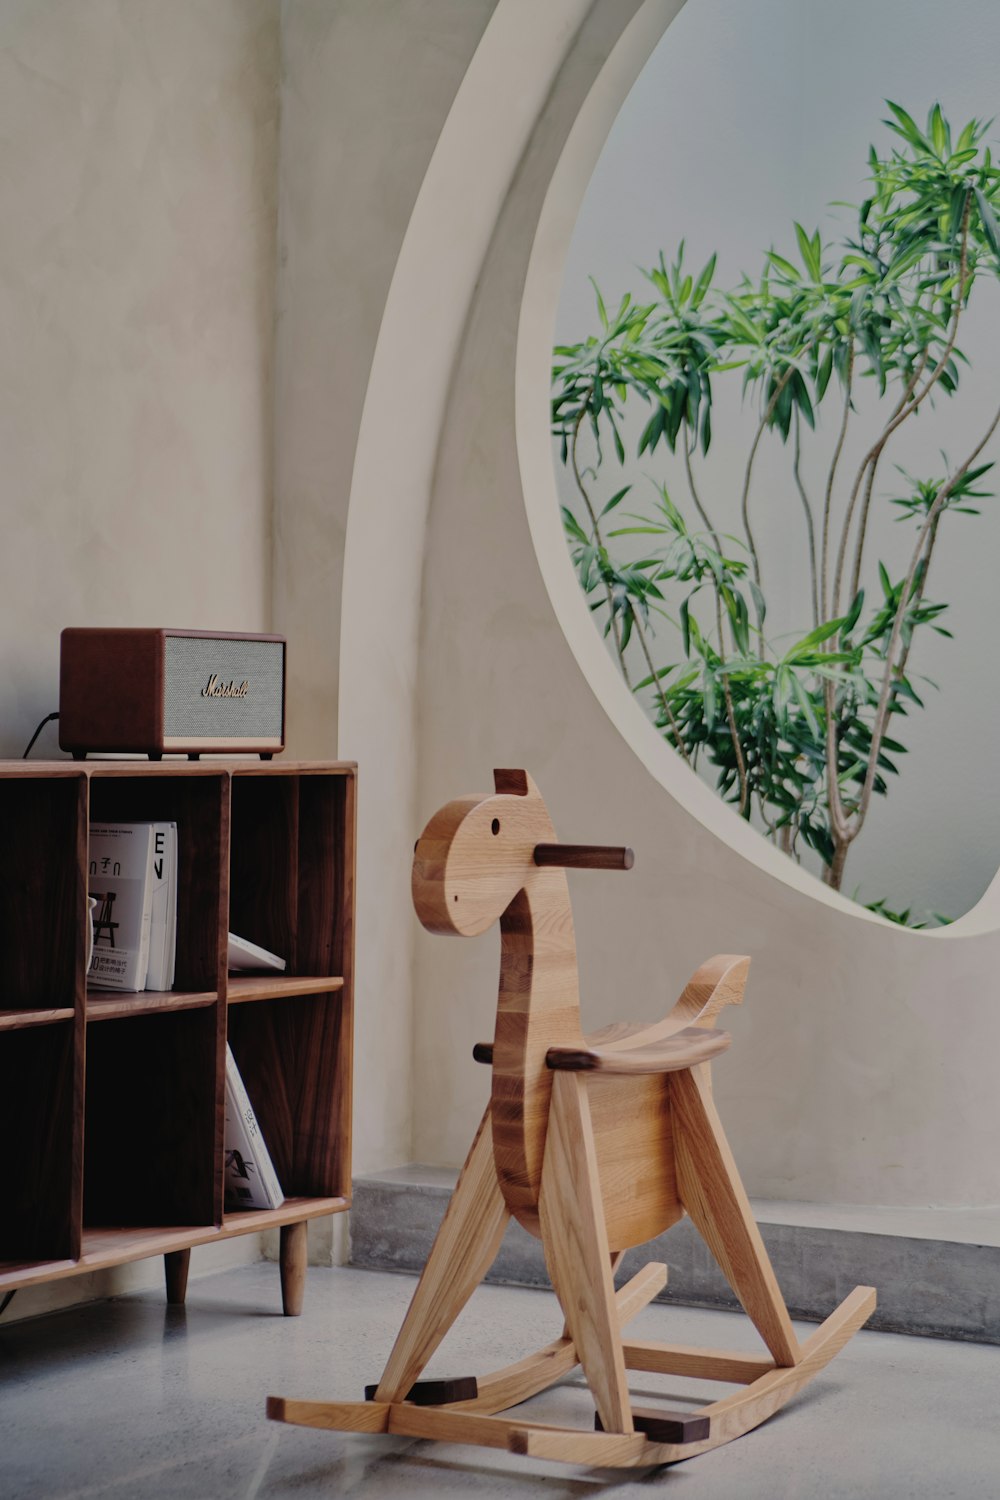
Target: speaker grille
x: 191, y: 663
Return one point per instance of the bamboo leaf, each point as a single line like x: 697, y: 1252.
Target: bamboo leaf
x: 792, y: 272
x: 988, y: 220
x: 704, y: 282
x: 938, y: 132
x: 616, y: 499
x: 906, y: 126
x: 656, y: 676
x: 572, y: 526
x: 805, y: 703
x: 602, y: 311
x: 760, y: 603
x: 853, y: 614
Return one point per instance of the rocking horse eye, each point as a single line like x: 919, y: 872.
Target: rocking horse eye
x: 495, y: 825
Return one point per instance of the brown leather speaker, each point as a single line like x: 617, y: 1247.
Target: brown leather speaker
x: 156, y: 691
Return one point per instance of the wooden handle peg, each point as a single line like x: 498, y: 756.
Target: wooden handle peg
x: 584, y: 856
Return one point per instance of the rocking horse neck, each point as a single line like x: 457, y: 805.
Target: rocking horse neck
x: 538, y: 970
x: 539, y: 1006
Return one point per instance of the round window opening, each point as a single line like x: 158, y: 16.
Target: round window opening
x: 774, y: 410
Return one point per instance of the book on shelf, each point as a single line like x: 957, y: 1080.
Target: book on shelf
x: 251, y: 1181
x: 246, y: 957
x: 163, y: 908
x: 120, y: 879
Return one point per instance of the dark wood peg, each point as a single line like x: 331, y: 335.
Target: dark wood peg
x: 584, y: 856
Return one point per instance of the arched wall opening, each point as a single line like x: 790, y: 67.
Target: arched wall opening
x: 745, y: 121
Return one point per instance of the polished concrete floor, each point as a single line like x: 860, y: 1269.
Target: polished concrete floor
x: 132, y: 1399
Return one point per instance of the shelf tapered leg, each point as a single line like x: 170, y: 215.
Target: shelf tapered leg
x: 293, y: 1267
x: 175, y: 1268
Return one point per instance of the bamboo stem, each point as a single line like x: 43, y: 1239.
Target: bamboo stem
x: 907, y: 410
x: 596, y: 531
x: 830, y: 478
x: 745, y: 500
x: 810, y: 529
x: 727, y: 692
x: 882, y: 711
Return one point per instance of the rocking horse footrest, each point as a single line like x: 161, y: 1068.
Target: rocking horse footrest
x: 436, y: 1392
x: 665, y: 1426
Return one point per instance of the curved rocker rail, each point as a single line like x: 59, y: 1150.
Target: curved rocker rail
x: 766, y: 1390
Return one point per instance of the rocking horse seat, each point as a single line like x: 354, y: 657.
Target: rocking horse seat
x: 684, y: 1049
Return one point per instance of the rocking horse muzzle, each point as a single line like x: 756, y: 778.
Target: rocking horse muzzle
x: 584, y: 856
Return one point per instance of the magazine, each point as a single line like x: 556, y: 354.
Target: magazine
x: 120, y: 878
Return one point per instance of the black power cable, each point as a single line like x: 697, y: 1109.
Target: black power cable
x: 47, y: 720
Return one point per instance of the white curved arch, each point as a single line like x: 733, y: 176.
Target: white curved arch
x: 535, y: 338
x: 484, y: 136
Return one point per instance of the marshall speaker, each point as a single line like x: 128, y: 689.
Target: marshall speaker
x: 191, y: 692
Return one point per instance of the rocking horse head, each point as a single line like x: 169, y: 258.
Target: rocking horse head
x: 477, y: 853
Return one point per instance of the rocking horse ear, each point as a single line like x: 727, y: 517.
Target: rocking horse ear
x: 514, y: 784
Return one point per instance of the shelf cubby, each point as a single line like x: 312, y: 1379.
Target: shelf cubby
x: 199, y: 804
x: 264, y: 863
x: 42, y: 899
x: 288, y: 1052
x: 40, y: 1089
x: 152, y: 1108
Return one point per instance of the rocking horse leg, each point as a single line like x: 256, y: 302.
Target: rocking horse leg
x: 617, y: 1256
x: 465, y: 1248
x: 575, y: 1241
x: 710, y: 1189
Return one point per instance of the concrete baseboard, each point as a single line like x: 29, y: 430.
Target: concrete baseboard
x: 937, y: 1271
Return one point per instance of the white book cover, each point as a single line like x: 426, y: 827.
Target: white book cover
x: 163, y: 918
x: 245, y: 956
x: 120, y: 881
x: 250, y: 1180
x: 172, y: 915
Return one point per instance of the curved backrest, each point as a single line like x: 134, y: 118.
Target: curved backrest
x: 473, y: 865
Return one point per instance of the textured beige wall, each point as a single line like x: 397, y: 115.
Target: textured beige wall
x: 366, y: 88
x: 138, y: 158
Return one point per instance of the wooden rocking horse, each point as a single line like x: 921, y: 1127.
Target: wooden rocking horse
x: 594, y: 1144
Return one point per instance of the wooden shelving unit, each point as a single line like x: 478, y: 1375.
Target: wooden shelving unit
x: 113, y: 1103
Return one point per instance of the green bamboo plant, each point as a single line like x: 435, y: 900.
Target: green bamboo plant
x: 798, y: 735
